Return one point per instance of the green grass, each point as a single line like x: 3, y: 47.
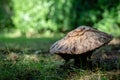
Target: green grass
x: 27, y: 42
x: 43, y: 67
x: 27, y: 65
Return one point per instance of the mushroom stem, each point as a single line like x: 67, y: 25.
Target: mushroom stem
x: 66, y: 57
x: 80, y: 62
x: 83, y: 60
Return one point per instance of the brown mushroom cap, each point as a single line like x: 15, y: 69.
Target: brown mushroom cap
x: 80, y: 40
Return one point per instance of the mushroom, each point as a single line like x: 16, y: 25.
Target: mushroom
x: 79, y: 44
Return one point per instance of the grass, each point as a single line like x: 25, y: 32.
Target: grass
x: 29, y: 59
x: 43, y: 67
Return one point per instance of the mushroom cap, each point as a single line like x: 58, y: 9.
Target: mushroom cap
x: 81, y: 40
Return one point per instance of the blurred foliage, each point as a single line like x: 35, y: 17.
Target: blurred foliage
x: 42, y: 15
x: 5, y: 14
x: 110, y: 21
x: 47, y: 16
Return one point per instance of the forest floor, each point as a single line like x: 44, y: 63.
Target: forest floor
x: 29, y: 59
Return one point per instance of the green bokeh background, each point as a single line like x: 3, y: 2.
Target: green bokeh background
x: 59, y: 16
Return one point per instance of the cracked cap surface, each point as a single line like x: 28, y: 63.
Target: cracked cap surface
x: 80, y: 41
